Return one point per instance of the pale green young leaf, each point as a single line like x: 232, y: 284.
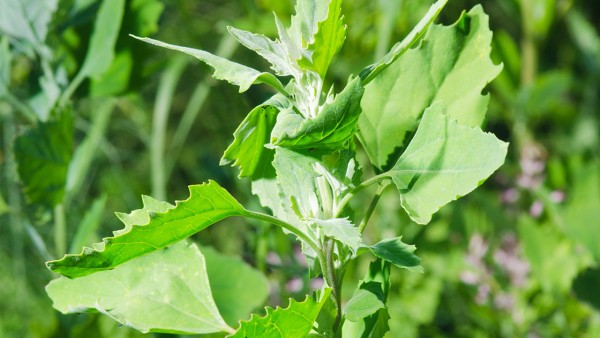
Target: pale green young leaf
x: 27, y: 19
x: 236, y: 287
x: 398, y: 253
x: 335, y: 125
x: 101, y: 50
x: 444, y: 161
x: 342, y: 230
x: 229, y: 71
x: 43, y: 154
x: 364, y: 302
x: 272, y: 51
x: 156, y: 226
x: 295, y: 321
x: 305, y: 23
x: 452, y: 64
x: 328, y: 39
x: 165, y: 291
x: 401, y: 47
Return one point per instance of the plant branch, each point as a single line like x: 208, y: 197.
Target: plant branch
x: 372, y: 206
x: 346, y: 199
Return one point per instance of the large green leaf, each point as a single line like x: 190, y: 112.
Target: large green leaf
x: 156, y: 226
x: 229, y: 71
x: 248, y: 149
x: 398, y: 253
x: 27, y: 19
x: 43, y: 154
x: 236, y: 287
x: 335, y: 125
x: 165, y: 291
x: 444, y: 161
x: 452, y: 64
x: 295, y: 321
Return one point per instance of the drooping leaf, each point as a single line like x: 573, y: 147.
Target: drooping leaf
x: 27, y: 19
x: 360, y: 323
x: 165, y: 291
x: 229, y: 71
x: 101, y: 50
x: 272, y: 51
x: 440, y: 69
x: 156, y: 226
x: 43, y: 154
x: 328, y: 40
x: 398, y: 253
x: 248, y: 149
x: 444, y: 161
x: 335, y: 125
x: 342, y: 230
x: 236, y: 287
x: 401, y: 47
x: 295, y: 321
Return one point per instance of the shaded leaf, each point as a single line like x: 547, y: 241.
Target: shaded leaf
x: 229, y: 71
x: 585, y: 286
x: 296, y: 320
x: 398, y: 253
x: 365, y: 302
x: 43, y: 154
x: 165, y: 291
x: 444, y: 161
x: 156, y: 226
x: 440, y: 69
x: 335, y: 125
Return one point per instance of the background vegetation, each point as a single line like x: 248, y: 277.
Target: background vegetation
x: 90, y: 119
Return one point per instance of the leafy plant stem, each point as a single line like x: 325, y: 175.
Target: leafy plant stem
x: 164, y: 97
x: 332, y: 281
x: 23, y: 108
x: 346, y: 199
x: 60, y: 230
x: 374, y: 201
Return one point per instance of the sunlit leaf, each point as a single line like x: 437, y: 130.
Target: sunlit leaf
x: 444, y: 161
x: 342, y: 230
x: 165, y: 291
x: 398, y: 253
x: 271, y: 50
x: 27, y: 19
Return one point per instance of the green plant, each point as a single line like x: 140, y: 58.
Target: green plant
x: 416, y: 113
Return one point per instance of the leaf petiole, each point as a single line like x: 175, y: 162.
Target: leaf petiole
x: 375, y: 179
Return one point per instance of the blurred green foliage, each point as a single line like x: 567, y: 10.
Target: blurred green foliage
x: 90, y: 119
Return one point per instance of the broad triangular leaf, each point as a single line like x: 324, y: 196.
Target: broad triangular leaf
x: 156, y: 226
x: 272, y: 51
x: 398, y: 253
x: 165, y: 291
x: 43, y: 154
x: 335, y: 125
x: 452, y: 64
x: 444, y: 161
x: 229, y: 71
x: 295, y: 321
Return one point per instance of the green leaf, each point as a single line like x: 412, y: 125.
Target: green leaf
x: 328, y: 39
x: 272, y: 51
x: 101, y: 50
x: 229, y: 71
x: 236, y: 287
x: 165, y: 291
x: 398, y: 253
x: 27, y: 19
x: 444, y: 161
x: 248, y: 147
x: 156, y: 226
x: 335, y: 125
x: 365, y: 302
x: 360, y: 323
x: 342, y: 230
x: 296, y: 320
x: 305, y: 24
x: 43, y: 154
x: 400, y: 48
x: 452, y: 65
